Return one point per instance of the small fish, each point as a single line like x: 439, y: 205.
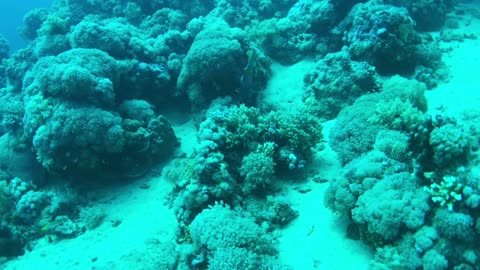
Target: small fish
x: 246, y: 90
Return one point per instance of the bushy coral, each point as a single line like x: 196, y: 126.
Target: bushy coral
x: 403, y: 255
x: 399, y: 106
x: 32, y: 21
x: 52, y: 36
x: 454, y: 225
x: 220, y: 227
x: 352, y: 134
x: 406, y: 89
x: 79, y: 75
x: 11, y: 111
x: 385, y: 37
x: 171, y: 19
x: 394, y: 144
x: 154, y: 82
x: 234, y: 258
x: 78, y: 138
x: 319, y: 15
x: 241, y: 126
x: 425, y: 238
x: 28, y: 212
x: 341, y: 196
x: 214, y: 64
x: 295, y: 134
x: 113, y: 36
x: 451, y: 143
x: 360, y: 175
x: 241, y: 258
x: 441, y: 142
x: 241, y: 13
x: 75, y: 121
x: 422, y: 11
x: 16, y: 66
x: 396, y: 114
x: 283, y: 39
x: 402, y: 104
x: 275, y: 212
x: 4, y: 48
x: 432, y: 260
x: 148, y: 136
x: 391, y: 204
x: 258, y: 168
x: 243, y: 129
x: 242, y: 151
x: 30, y: 205
x: 336, y: 82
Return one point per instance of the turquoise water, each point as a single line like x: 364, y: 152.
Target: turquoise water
x: 240, y: 135
x: 12, y: 13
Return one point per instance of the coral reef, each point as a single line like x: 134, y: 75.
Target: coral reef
x: 421, y: 11
x: 336, y: 82
x: 4, y: 48
x: 241, y: 152
x: 212, y: 230
x: 101, y: 88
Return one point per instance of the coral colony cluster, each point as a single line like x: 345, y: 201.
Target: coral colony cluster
x: 87, y: 102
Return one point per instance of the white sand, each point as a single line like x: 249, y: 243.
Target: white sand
x: 317, y: 238
x: 285, y: 89
x: 143, y: 218
x: 463, y: 61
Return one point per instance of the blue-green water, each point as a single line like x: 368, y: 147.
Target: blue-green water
x: 12, y: 13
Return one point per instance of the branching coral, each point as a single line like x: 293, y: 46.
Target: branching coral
x: 393, y: 203
x: 447, y: 193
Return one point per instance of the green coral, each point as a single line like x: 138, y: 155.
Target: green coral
x: 81, y: 75
x: 454, y: 225
x: 258, y: 168
x: 214, y: 64
x: 352, y: 134
x: 243, y: 129
x: 242, y: 126
x: 402, y: 104
x: 447, y: 193
x: 335, y: 82
x: 433, y: 260
x: 451, y: 144
x: 283, y: 39
x: 222, y: 227
x: 394, y: 144
x: 114, y: 36
x: 396, y: 114
x: 392, y: 204
x: 298, y: 133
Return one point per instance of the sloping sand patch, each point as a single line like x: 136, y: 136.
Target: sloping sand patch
x: 143, y: 219
x: 285, y: 89
x: 463, y: 90
x: 147, y: 226
x: 187, y: 135
x: 316, y: 239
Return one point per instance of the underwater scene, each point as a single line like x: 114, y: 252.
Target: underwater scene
x: 240, y: 135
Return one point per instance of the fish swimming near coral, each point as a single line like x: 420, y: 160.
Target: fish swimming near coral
x: 246, y: 92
